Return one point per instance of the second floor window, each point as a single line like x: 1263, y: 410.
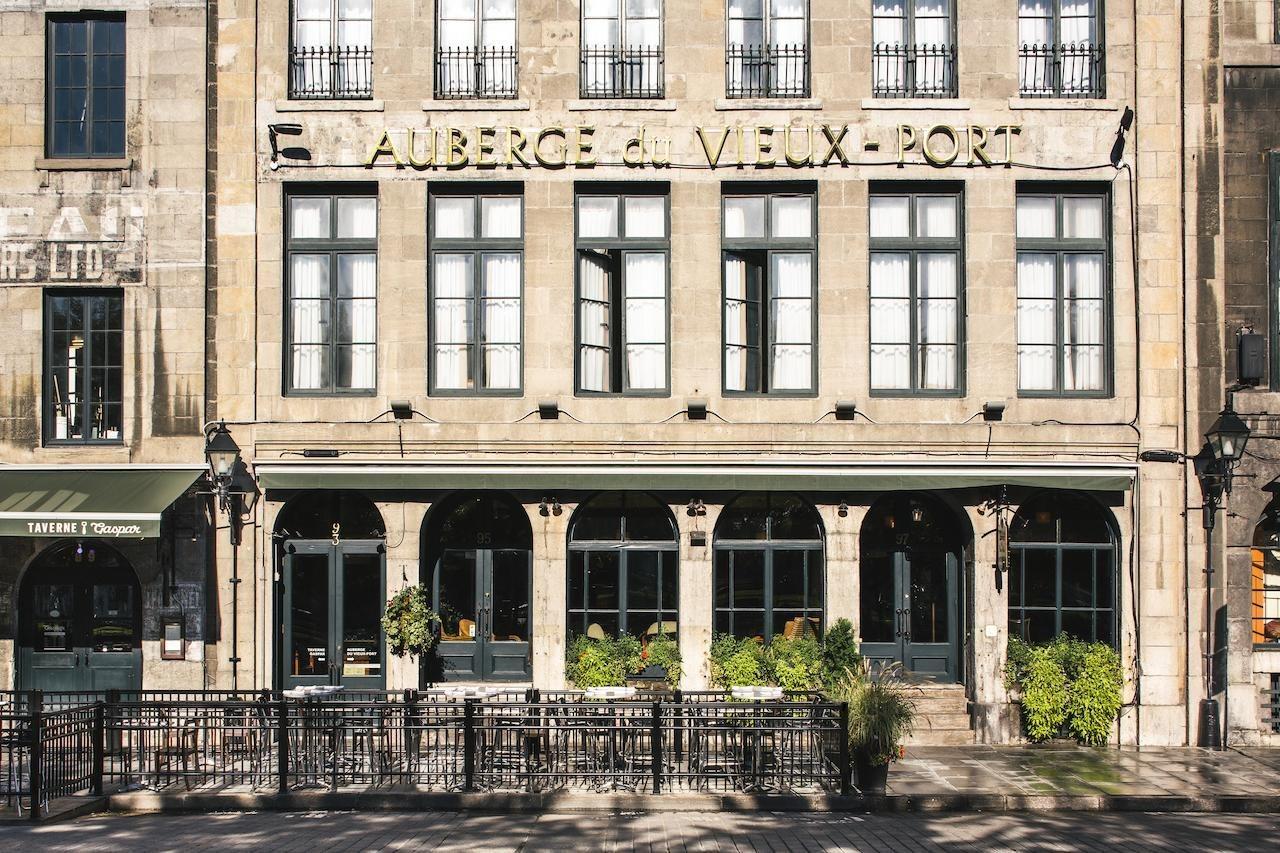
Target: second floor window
x: 768, y: 51
x: 1060, y: 52
x: 83, y: 366
x: 915, y: 292
x: 331, y: 340
x: 622, y: 49
x: 332, y: 52
x: 769, y: 291
x: 1063, y: 289
x: 476, y: 49
x: 623, y: 253
x: 85, y: 103
x: 913, y: 53
x: 476, y: 264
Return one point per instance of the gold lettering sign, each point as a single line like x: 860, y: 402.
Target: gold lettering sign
x: 941, y: 144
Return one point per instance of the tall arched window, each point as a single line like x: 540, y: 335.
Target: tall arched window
x: 769, y: 567
x: 623, y: 573
x: 1062, y: 575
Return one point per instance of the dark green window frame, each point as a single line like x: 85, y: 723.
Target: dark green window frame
x: 99, y: 407
x: 101, y: 58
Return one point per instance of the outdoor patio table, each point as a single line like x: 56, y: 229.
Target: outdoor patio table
x: 319, y: 726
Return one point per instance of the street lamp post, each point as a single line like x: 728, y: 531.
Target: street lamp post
x: 223, y: 455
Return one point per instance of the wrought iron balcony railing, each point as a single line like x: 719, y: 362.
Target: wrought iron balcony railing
x: 768, y: 71
x: 622, y: 72
x: 331, y: 73
x: 913, y: 70
x: 476, y: 72
x: 1061, y: 70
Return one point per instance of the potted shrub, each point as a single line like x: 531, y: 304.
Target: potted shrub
x: 881, y: 715
x: 411, y: 626
x: 1065, y: 688
x: 660, y: 661
x: 736, y: 663
x: 840, y: 653
x: 793, y: 663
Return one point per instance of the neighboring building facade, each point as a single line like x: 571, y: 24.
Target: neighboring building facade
x: 103, y: 546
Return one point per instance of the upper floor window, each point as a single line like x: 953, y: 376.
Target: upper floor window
x: 84, y: 110
x: 331, y: 277
x: 477, y: 261
x: 912, y: 49
x: 1060, y: 52
x: 332, y: 52
x: 83, y: 366
x: 623, y: 250
x: 770, y: 261
x: 476, y: 49
x: 622, y: 49
x: 1063, y: 293
x: 915, y: 291
x: 768, y: 50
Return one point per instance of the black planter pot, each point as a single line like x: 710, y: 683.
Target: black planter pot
x: 870, y: 778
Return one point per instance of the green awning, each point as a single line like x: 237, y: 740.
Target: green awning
x: 109, y: 502
x: 710, y: 476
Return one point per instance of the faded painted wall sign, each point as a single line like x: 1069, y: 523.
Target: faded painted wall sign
x: 99, y: 241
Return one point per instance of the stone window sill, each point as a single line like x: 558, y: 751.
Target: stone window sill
x: 914, y: 104
x: 372, y: 106
x: 621, y: 104
x: 123, y: 165
x: 1099, y: 104
x: 731, y: 104
x: 475, y: 106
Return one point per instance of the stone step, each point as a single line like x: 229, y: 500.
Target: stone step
x: 949, y: 737
x: 942, y: 722
x: 940, y: 704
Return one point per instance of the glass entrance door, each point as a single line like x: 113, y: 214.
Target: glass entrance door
x: 482, y: 596
x: 909, y: 611
x: 333, y: 597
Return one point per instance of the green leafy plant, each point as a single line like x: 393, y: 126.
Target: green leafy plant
x: 664, y: 651
x: 1066, y: 686
x: 735, y: 663
x: 601, y: 663
x: 409, y: 623
x: 793, y: 663
x: 881, y: 713
x: 1044, y: 695
x: 1094, y: 699
x: 840, y: 654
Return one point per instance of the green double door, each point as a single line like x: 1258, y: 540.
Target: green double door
x: 483, y: 596
x: 909, y: 613
x: 332, y: 614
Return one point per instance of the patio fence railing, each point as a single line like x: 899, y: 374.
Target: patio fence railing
x: 519, y: 740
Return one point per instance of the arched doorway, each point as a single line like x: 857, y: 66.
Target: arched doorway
x: 769, y: 567
x: 80, y: 620
x: 478, y: 559
x: 623, y: 568
x: 333, y: 578
x: 909, y: 580
x: 1062, y: 569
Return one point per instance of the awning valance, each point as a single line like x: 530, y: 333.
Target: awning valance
x: 111, y: 502
x: 709, y: 476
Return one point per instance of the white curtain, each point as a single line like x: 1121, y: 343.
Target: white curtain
x: 1082, y: 218
x: 1037, y: 217
x: 358, y: 218
x: 501, y: 320
x: 937, y: 319
x: 645, y: 320
x: 932, y: 40
x: 791, y: 216
x: 890, y: 320
x: 646, y: 216
x: 312, y: 38
x: 498, y: 24
x: 500, y: 217
x: 456, y: 38
x: 309, y: 304
x: 1082, y: 323
x: 309, y: 217
x: 594, y: 372
x: 358, y: 288
x: 452, y: 308
x: 889, y: 36
x: 744, y: 216
x: 355, y: 37
x: 1077, y: 24
x: 789, y: 33
x: 890, y: 216
x: 791, y: 318
x: 601, y: 34
x: 936, y: 216
x: 739, y: 334
x: 455, y: 217
x: 597, y: 216
x: 1035, y: 35
x: 1037, y: 362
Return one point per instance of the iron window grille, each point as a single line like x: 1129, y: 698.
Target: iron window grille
x: 331, y: 257
x: 1060, y: 49
x: 914, y: 70
x: 83, y: 367
x: 767, y: 52
x: 622, y: 54
x: 917, y: 290
x: 769, y: 311
x: 331, y: 50
x: 476, y: 51
x: 85, y: 95
x: 623, y: 325
x: 477, y: 269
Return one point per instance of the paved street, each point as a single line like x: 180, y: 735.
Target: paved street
x: 315, y: 832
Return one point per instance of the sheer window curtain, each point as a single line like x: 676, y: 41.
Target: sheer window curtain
x: 932, y: 42
x: 501, y: 344
x: 1082, y: 323
x: 312, y: 38
x: 644, y: 37
x: 1037, y: 306
x: 309, y: 321
x: 601, y: 32
x: 645, y: 320
x: 937, y: 320
x: 889, y: 37
x: 358, y: 311
x: 456, y: 39
x: 355, y: 34
x: 740, y: 332
x: 791, y: 321
x: 788, y: 35
x: 1077, y: 21
x: 890, y: 320
x: 746, y: 36
x: 594, y: 283
x: 452, y: 318
x: 1035, y: 33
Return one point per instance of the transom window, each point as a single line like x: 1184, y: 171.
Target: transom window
x: 83, y: 366
x: 622, y: 49
x: 84, y: 112
x: 916, y: 274
x: 1060, y: 52
x: 912, y: 51
x: 768, y: 568
x: 477, y: 263
x: 1062, y: 570
x: 1063, y: 293
x: 623, y: 573
x: 768, y: 49
x: 332, y: 52
x: 770, y: 326
x: 476, y: 49
x: 623, y: 323
x: 332, y: 289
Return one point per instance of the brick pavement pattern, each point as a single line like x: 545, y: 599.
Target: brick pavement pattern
x: 721, y: 831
